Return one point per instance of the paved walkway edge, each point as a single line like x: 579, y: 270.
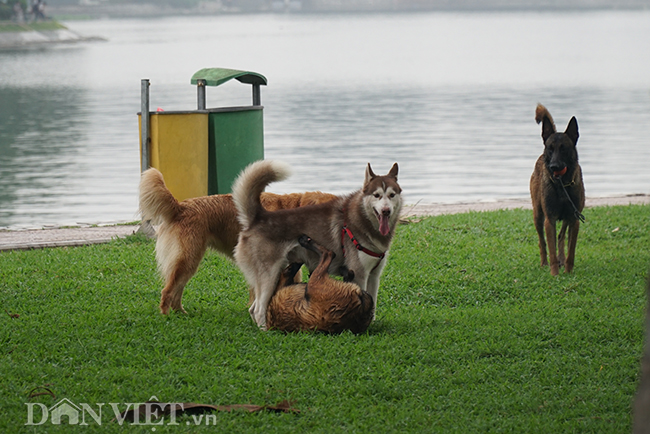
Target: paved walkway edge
x: 62, y: 237
x: 82, y: 236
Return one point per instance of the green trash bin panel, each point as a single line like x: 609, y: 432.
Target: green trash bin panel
x: 236, y: 134
x: 236, y: 139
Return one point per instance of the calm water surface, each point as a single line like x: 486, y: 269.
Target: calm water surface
x: 450, y: 97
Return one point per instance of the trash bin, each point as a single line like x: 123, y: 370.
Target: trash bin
x: 202, y: 152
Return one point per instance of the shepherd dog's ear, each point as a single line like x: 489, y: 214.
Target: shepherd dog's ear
x: 544, y: 117
x: 572, y: 130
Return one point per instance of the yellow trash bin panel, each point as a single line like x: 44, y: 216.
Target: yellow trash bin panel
x: 179, y: 149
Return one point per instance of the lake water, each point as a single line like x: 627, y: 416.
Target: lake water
x: 449, y: 96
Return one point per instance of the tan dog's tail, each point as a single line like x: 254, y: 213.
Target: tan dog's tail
x: 156, y: 202
x: 251, y: 183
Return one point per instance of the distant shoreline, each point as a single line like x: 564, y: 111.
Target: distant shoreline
x: 104, y: 10
x: 26, y: 35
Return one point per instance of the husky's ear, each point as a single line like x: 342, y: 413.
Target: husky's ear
x: 393, y: 171
x: 369, y: 174
x: 548, y: 126
x: 572, y: 130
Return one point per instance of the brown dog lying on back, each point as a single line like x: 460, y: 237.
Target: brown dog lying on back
x: 189, y: 227
x: 322, y: 304
x: 557, y: 191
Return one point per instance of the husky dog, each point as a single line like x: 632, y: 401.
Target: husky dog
x: 189, y: 227
x: 323, y: 304
x: 358, y: 228
x: 557, y: 191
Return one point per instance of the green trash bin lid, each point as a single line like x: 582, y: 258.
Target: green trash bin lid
x: 218, y: 76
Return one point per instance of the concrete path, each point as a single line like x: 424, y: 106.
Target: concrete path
x: 59, y: 237
x: 457, y: 208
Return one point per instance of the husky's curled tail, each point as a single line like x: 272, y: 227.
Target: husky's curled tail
x: 251, y: 183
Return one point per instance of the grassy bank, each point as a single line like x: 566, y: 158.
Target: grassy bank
x: 471, y: 335
x: 41, y: 26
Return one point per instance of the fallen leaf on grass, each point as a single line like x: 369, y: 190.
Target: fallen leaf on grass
x: 159, y: 409
x: 12, y: 315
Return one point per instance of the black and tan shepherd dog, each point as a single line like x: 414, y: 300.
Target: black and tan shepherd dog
x: 557, y: 192
x: 322, y: 304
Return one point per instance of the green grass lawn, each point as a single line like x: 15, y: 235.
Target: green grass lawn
x: 471, y: 335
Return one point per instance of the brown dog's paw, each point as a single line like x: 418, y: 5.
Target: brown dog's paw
x: 348, y: 275
x: 164, y: 307
x: 165, y: 310
x: 305, y: 241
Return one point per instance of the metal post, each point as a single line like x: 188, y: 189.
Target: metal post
x: 145, y: 225
x: 200, y: 89
x: 144, y: 128
x: 257, y: 95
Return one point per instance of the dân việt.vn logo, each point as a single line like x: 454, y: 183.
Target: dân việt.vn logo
x: 146, y: 413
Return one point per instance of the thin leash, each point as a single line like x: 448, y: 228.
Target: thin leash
x: 576, y: 213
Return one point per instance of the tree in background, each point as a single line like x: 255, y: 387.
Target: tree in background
x: 8, y: 9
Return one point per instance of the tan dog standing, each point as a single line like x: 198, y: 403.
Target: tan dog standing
x: 188, y: 228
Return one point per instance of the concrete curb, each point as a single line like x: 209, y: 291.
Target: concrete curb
x: 62, y: 237
x: 81, y: 236
x: 457, y: 208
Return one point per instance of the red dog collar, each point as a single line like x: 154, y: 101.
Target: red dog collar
x: 358, y: 246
